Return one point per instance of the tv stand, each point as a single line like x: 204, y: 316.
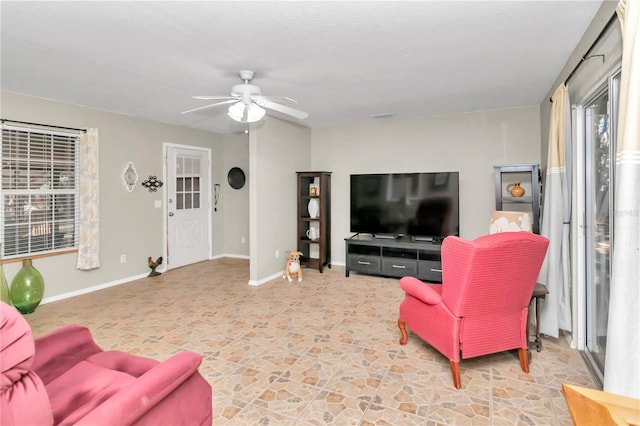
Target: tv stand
x: 396, y: 257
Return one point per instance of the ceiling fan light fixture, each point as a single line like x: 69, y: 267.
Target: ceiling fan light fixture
x: 244, y: 113
x: 254, y: 113
x: 236, y: 111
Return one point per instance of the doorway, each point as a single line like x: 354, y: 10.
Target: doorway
x: 188, y: 208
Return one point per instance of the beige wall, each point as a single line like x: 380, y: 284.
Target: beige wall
x: 264, y: 211
x: 470, y: 143
x: 233, y: 204
x: 130, y: 224
x: 277, y: 150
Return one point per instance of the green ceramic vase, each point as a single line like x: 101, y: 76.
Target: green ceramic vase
x: 27, y: 288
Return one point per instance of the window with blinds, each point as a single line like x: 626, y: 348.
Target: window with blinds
x: 39, y: 206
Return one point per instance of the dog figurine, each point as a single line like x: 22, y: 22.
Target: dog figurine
x: 293, y: 266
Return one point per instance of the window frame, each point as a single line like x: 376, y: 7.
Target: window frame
x: 54, y: 229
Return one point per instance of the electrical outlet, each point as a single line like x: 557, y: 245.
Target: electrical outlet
x: 123, y: 258
x: 243, y: 240
x: 277, y: 253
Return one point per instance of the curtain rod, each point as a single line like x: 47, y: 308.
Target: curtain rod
x: 4, y: 120
x: 586, y: 56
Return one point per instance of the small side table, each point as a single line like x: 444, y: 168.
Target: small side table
x: 539, y: 292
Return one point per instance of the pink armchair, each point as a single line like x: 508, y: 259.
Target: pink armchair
x: 482, y: 304
x: 64, y: 378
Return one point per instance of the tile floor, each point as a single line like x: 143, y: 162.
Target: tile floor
x: 324, y: 351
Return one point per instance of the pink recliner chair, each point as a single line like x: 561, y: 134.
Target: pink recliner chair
x: 64, y: 378
x: 482, y: 304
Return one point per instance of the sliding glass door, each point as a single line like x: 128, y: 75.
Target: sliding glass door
x: 600, y: 122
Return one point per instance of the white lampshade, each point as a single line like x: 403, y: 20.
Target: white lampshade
x: 254, y: 113
x: 244, y: 113
x: 236, y: 111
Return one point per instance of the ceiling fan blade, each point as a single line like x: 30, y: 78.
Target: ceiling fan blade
x: 213, y: 98
x: 210, y: 106
x: 284, y: 98
x: 260, y: 100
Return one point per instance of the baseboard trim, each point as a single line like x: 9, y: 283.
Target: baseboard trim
x: 266, y: 279
x: 233, y: 256
x: 91, y: 289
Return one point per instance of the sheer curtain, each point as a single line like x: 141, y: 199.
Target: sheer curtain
x: 622, y: 364
x: 556, y: 214
x: 89, y: 223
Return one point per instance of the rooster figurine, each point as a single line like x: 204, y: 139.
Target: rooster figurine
x: 153, y: 265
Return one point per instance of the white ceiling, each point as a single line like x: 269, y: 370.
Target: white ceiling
x: 342, y: 61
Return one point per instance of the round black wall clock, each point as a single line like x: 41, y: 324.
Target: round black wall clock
x: 236, y: 177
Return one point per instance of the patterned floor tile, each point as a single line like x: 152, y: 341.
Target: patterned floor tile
x: 382, y: 416
x: 287, y: 397
x: 523, y: 395
x: 458, y: 408
x: 411, y: 396
x: 508, y: 414
x: 323, y: 351
x: 311, y: 371
x: 330, y: 408
x: 256, y: 415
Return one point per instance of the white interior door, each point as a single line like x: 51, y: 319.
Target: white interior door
x: 188, y: 206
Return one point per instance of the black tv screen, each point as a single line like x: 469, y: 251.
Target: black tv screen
x: 413, y: 204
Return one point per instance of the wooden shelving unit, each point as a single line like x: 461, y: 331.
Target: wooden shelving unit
x: 314, y: 219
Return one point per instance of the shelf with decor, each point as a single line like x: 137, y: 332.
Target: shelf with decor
x: 314, y: 219
x: 517, y: 188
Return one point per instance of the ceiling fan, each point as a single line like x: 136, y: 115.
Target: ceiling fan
x: 248, y: 103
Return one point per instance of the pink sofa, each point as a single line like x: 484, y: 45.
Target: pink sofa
x: 64, y: 378
x: 482, y: 304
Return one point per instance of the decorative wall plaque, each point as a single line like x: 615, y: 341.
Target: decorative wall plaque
x: 152, y: 184
x: 130, y: 177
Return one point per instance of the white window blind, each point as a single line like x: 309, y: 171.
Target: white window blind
x: 39, y: 206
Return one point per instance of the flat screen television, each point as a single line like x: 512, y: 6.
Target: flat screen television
x: 424, y: 206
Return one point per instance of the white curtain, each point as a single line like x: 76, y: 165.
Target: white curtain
x: 622, y: 363
x: 556, y: 214
x: 89, y: 223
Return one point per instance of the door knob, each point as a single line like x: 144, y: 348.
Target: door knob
x: 170, y: 214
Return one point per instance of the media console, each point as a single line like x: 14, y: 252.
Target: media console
x: 397, y: 257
